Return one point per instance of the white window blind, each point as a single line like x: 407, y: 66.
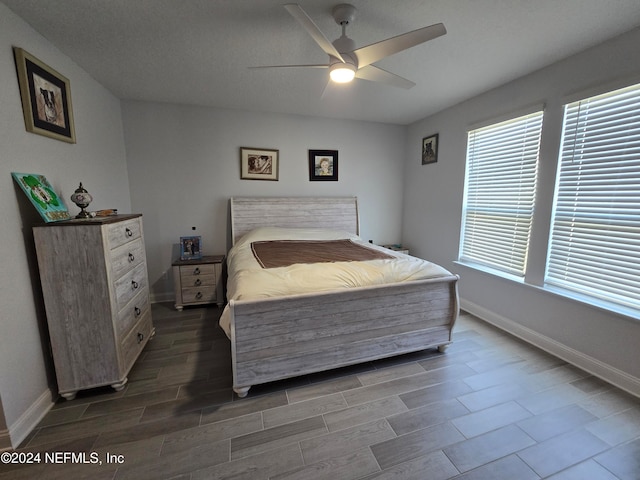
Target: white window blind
x: 502, y: 164
x: 595, y: 239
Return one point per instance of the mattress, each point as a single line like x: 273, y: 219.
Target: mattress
x: 249, y: 280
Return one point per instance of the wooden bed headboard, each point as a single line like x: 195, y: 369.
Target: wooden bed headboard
x: 335, y: 213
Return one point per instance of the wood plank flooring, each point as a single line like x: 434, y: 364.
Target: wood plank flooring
x: 491, y: 407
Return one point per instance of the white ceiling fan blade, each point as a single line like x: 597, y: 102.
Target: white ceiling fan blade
x: 299, y: 14
x: 318, y: 65
x: 376, y: 74
x: 377, y: 51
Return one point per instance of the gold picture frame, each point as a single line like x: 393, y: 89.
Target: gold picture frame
x: 46, y: 98
x: 258, y: 164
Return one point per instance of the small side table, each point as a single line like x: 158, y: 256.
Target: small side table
x: 397, y: 248
x: 198, y: 281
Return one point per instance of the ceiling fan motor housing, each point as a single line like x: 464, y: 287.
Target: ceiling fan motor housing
x: 344, y: 13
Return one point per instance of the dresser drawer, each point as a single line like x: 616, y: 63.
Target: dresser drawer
x: 132, y: 313
x: 135, y: 341
x: 130, y: 284
x: 123, y: 232
x: 196, y: 295
x: 126, y: 257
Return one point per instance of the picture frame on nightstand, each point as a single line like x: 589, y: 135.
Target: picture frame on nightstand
x: 190, y: 248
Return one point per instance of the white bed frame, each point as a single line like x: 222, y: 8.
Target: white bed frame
x: 277, y: 338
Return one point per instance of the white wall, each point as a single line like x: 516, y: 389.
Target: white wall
x: 184, y: 165
x: 602, y: 342
x: 97, y: 159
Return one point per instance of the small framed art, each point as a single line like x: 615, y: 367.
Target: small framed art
x: 323, y: 165
x: 42, y: 196
x: 258, y: 164
x: 190, y: 248
x: 46, y: 98
x: 430, y: 149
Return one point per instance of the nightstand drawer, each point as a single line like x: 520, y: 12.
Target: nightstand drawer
x: 198, y: 281
x: 197, y: 295
x: 123, y: 232
x: 126, y: 257
x: 197, y: 270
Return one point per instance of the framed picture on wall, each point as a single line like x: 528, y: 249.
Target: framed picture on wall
x: 323, y: 165
x: 46, y: 98
x: 258, y: 164
x: 430, y: 149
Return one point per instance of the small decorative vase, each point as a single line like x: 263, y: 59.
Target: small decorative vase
x: 82, y: 199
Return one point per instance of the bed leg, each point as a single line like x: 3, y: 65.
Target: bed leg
x: 443, y: 348
x: 242, y: 391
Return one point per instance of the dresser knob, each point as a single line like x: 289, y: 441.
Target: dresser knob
x: 140, y: 337
x: 198, y: 282
x: 134, y: 284
x: 199, y: 295
x: 137, y: 311
x: 129, y: 233
x: 196, y: 271
x: 131, y: 257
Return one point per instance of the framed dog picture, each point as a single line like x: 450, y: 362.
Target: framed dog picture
x: 46, y: 98
x: 430, y: 149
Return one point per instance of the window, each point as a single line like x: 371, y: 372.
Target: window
x: 594, y: 249
x: 502, y: 164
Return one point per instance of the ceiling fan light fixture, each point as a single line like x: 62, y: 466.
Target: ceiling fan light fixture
x: 342, y: 72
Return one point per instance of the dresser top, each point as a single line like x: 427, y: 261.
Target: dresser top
x: 92, y: 221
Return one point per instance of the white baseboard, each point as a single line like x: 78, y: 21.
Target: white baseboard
x: 606, y: 372
x: 30, y: 418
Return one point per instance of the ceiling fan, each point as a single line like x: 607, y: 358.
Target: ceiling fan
x: 346, y: 61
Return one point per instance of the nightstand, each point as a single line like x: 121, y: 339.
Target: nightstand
x: 198, y: 281
x: 397, y: 248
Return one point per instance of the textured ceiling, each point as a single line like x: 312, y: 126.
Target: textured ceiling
x: 198, y: 51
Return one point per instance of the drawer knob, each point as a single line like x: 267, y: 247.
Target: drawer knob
x: 198, y: 282
x: 196, y: 271
x: 134, y: 284
x: 128, y: 232
x: 137, y: 311
x: 199, y: 295
x: 131, y: 257
x: 140, y: 337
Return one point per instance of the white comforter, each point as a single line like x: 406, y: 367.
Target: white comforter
x: 247, y: 280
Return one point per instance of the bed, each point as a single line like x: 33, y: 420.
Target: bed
x: 311, y: 326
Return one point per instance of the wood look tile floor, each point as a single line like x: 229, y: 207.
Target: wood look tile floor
x: 491, y: 407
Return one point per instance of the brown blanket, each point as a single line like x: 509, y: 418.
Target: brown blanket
x: 282, y: 253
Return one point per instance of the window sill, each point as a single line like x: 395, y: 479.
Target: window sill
x: 625, y: 313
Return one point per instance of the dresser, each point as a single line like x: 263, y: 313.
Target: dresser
x: 96, y: 293
x: 198, y: 281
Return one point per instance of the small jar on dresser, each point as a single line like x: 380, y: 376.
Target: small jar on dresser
x: 198, y: 281
x: 95, y: 287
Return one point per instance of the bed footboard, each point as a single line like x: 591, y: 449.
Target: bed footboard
x: 278, y: 338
